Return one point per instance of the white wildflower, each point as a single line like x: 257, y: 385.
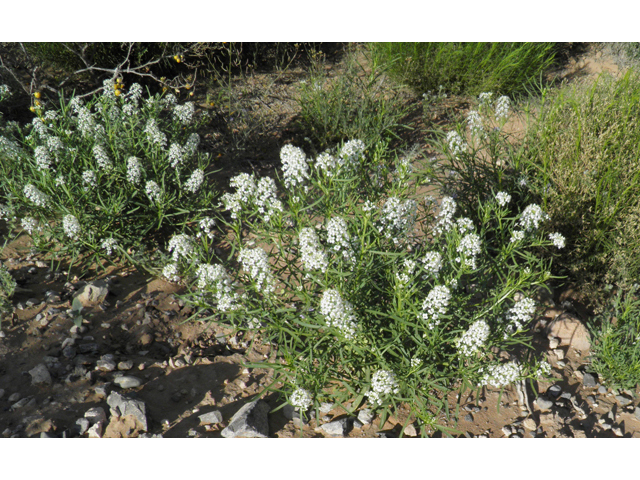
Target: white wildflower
x: 469, y: 247
x: 409, y: 267
x: 256, y: 262
x: 503, y: 198
x: 485, y: 98
x: 445, y: 217
x: 102, y: 158
x: 531, y: 217
x: 475, y: 123
x: 153, y: 191
x: 30, y: 224
x: 195, y: 180
x: 206, y: 225
x: 516, y: 236
x: 520, y: 314
x: 435, y: 305
x: 265, y: 198
x: 383, y: 383
x: 500, y: 375
x: 557, y: 239
x: 216, y: 278
x: 89, y: 178
x: 352, y: 151
x: 338, y: 237
x: 464, y: 224
x: 502, y: 108
x: 181, y: 245
x: 134, y: 170
x: 301, y: 399
x: 191, y: 146
x: 339, y: 313
x: 109, y: 244
x: 176, y: 156
x: 456, y: 144
x: 154, y: 135
x: 432, y: 263
x: 327, y: 163
x: 184, y: 113
x: 398, y: 218
x: 313, y: 255
x: 416, y: 362
x: 36, y: 196
x: 71, y: 227
x: 543, y: 369
x: 43, y: 161
x: 294, y: 166
x: 171, y: 273
x: 474, y: 338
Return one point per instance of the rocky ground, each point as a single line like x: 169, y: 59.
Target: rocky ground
x: 137, y: 368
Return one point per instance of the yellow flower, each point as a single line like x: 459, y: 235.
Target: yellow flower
x: 191, y: 94
x: 164, y: 89
x: 32, y: 108
x: 37, y: 94
x: 37, y: 103
x: 118, y: 92
x: 187, y: 86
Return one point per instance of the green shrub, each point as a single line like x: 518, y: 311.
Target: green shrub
x: 466, y: 68
x: 615, y: 352
x: 363, y: 289
x: 583, y: 156
x: 355, y: 103
x: 116, y: 172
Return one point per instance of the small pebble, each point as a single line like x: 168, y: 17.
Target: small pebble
x: 468, y: 417
x: 602, y: 390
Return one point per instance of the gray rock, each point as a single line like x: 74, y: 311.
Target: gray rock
x: 125, y: 365
x: 40, y: 374
x: 589, y: 380
x: 106, y: 365
x: 337, y: 427
x: 88, y: 347
x: 103, y: 390
x: 210, y: 418
x: 14, y: 397
x: 468, y: 417
x: 250, y: 421
x: 366, y: 416
x: 554, y: 391
x: 69, y: 352
x: 637, y: 413
x: 129, y: 406
x: 96, y: 414
x: 83, y: 425
x: 544, y: 403
x: 1, y: 393
x: 357, y: 424
x: 602, y: 390
x: 127, y: 381
x: 410, y: 431
x: 288, y: 411
x: 92, y: 293
x: 591, y: 399
x: 624, y: 401
x: 95, y: 431
x: 326, y: 407
x: 32, y: 302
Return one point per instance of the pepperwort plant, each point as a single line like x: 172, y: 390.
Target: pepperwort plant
x: 103, y: 175
x: 371, y: 292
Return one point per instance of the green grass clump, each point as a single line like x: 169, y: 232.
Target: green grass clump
x: 466, y: 68
x: 615, y: 350
x: 357, y: 103
x: 583, y: 156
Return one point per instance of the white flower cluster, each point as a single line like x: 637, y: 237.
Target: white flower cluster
x: 217, y: 277
x: 313, y: 255
x: 184, y: 113
x: 456, y: 144
x: 36, y: 196
x: 339, y: 313
x: 327, y: 163
x: 154, y: 135
x: 89, y: 178
x: 30, y: 224
x: 5, y: 91
x: 5, y: 212
x: 473, y: 338
x: 500, y: 375
x: 409, y: 268
x: 502, y: 108
x: 415, y: 362
x: 43, y: 161
x: 248, y: 194
x: 181, y: 245
x: 398, y: 218
x: 338, y: 237
x: 516, y: 236
x: 432, y: 263
x: 195, y: 180
x: 102, y: 158
x: 475, y: 123
x: 521, y: 313
x: 206, y: 225
x: 435, y: 305
x: 71, y: 227
x: 558, y: 240
x: 171, y: 273
x: 256, y: 261
x: 192, y: 145
x: 543, y: 369
x: 469, y: 247
x: 153, y: 191
x: 485, y: 98
x: 301, y: 399
x: 134, y: 170
x: 60, y: 181
x: 176, y: 156
x: 503, y: 198
x: 352, y: 151
x: 294, y: 166
x: 54, y: 145
x: 445, y: 217
x: 403, y: 169
x: 383, y: 383
x: 109, y: 244
x: 464, y: 224
x: 532, y: 216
